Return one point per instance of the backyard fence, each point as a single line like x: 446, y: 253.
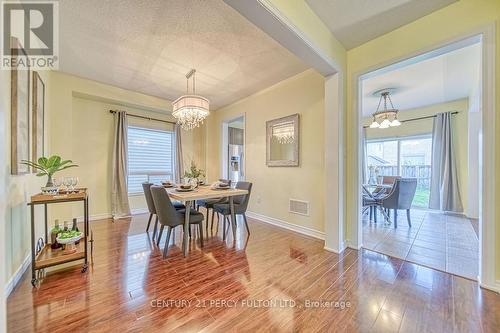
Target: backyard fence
x: 421, y: 172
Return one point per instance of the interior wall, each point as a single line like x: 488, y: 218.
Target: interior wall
x: 424, y: 126
x: 17, y: 190
x: 458, y: 19
x: 274, y: 186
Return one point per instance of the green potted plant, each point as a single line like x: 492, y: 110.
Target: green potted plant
x: 194, y: 173
x: 49, y: 166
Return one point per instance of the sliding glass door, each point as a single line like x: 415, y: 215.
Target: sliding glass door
x: 408, y: 157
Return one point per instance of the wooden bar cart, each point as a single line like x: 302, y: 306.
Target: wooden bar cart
x: 42, y: 255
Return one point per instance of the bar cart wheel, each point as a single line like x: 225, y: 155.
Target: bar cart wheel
x: 34, y: 282
x: 84, y: 268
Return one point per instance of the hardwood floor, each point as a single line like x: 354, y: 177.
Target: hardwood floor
x: 275, y: 280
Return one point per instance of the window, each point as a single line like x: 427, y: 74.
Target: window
x: 151, y: 156
x: 406, y: 157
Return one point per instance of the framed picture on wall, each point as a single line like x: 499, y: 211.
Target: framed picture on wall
x: 38, y: 112
x: 20, y: 114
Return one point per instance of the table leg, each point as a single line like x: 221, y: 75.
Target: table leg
x: 85, y: 232
x: 33, y: 278
x: 186, y: 228
x: 233, y: 216
x: 46, y: 227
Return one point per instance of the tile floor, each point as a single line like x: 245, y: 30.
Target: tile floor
x: 441, y: 241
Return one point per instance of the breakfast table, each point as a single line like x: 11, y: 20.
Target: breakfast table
x: 204, y: 192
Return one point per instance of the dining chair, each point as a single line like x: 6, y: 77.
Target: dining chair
x: 170, y: 217
x: 209, y: 205
x: 400, y: 197
x: 240, y: 203
x: 151, y: 206
x: 386, y: 180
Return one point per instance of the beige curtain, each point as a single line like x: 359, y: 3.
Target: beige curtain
x: 119, y: 189
x: 444, y: 193
x: 179, y: 164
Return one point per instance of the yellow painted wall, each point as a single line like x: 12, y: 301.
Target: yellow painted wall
x: 424, y: 126
x: 17, y: 190
x: 303, y: 17
x: 274, y: 186
x: 455, y: 20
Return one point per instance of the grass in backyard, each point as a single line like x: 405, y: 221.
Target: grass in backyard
x: 421, y: 198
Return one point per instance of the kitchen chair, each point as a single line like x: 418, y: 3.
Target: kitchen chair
x: 209, y: 204
x: 240, y: 205
x: 400, y: 197
x: 170, y: 217
x: 151, y: 206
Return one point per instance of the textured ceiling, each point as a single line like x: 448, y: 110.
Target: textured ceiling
x: 440, y: 79
x: 354, y: 22
x: 149, y: 46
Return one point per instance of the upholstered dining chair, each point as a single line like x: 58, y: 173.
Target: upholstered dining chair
x: 400, y: 197
x: 386, y: 180
x: 240, y: 206
x: 209, y: 205
x: 170, y: 217
x: 151, y: 206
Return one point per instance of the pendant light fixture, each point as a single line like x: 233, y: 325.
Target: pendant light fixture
x: 190, y: 110
x: 387, y: 117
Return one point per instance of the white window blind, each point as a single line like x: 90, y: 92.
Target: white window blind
x: 150, y: 157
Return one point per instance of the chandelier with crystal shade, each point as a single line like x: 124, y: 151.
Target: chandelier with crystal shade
x: 190, y: 110
x: 387, y: 117
x: 284, y: 133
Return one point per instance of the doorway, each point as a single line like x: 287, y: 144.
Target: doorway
x: 233, y: 149
x: 445, y: 80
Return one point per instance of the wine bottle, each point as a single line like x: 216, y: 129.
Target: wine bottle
x: 75, y: 228
x: 65, y: 226
x: 53, y: 235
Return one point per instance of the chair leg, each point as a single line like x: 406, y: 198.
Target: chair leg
x: 149, y: 222
x: 155, y: 227
x: 200, y: 226
x: 189, y: 228
x: 208, y: 214
x: 212, y: 222
x: 159, y: 236
x: 223, y: 229
x: 246, y: 223
x: 395, y: 218
x: 408, y: 217
x: 371, y: 213
x: 375, y: 214
x: 167, y: 242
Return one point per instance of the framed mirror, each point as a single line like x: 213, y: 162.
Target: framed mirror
x: 282, y: 137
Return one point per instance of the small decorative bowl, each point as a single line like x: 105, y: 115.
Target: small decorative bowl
x: 51, y: 190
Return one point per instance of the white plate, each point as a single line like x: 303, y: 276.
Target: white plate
x: 178, y: 189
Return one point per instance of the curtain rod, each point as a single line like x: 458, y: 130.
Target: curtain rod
x: 419, y: 118
x: 147, y: 118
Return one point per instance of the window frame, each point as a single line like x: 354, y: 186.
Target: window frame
x: 149, y: 174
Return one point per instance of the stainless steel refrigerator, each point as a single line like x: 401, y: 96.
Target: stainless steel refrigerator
x: 236, y: 163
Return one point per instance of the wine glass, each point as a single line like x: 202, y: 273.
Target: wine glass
x: 74, y: 182
x: 57, y: 183
x: 67, y: 184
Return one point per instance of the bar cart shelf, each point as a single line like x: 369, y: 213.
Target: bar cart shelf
x: 42, y: 255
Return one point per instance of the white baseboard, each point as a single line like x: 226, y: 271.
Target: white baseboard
x: 342, y: 249
x: 495, y: 287
x: 95, y: 217
x: 140, y: 211
x: 289, y: 226
x: 14, y: 280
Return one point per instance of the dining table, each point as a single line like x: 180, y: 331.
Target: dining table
x: 204, y: 192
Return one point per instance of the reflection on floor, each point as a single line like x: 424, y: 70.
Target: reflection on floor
x: 445, y: 242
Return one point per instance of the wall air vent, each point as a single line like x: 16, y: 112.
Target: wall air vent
x: 299, y: 207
